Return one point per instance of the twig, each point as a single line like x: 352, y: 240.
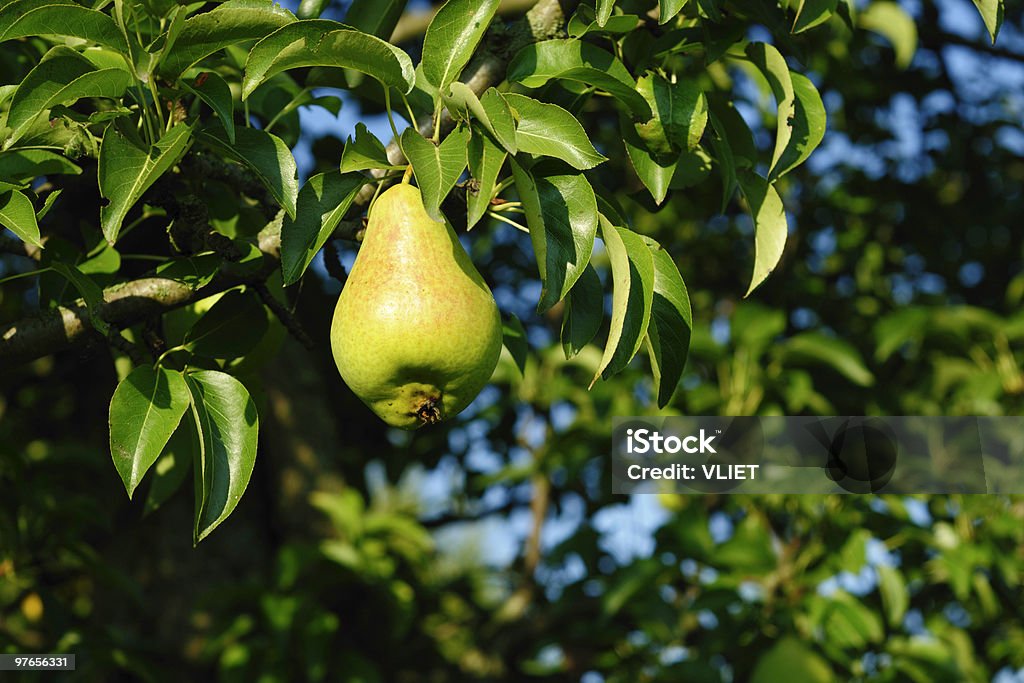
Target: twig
x: 286, y: 317
x: 130, y: 349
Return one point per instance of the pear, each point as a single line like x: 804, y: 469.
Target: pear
x: 416, y: 332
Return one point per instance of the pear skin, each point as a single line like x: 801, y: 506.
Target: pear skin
x: 416, y: 332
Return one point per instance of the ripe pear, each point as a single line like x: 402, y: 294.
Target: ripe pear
x: 416, y: 332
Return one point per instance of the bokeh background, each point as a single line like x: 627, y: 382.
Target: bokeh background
x: 491, y: 548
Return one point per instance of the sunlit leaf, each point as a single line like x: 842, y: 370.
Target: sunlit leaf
x: 322, y: 203
x: 227, y: 432
x: 770, y: 226
x: 268, y: 157
x: 892, y: 22
x: 437, y: 167
x: 144, y: 411
x: 549, y: 130
x: 452, y: 38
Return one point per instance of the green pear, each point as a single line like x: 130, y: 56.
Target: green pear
x: 416, y: 332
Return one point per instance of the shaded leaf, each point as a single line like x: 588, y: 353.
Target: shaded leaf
x: 18, y: 165
x: 376, y: 17
x: 514, y: 339
x: 230, y: 329
x: 268, y: 157
x: 668, y: 336
x: 584, y: 311
x: 561, y: 212
x: 323, y: 202
x: 126, y: 171
x: 174, y: 463
x: 486, y: 159
x: 211, y: 88
x: 632, y: 296
x: 895, y: 598
x: 144, y: 411
x: 90, y: 292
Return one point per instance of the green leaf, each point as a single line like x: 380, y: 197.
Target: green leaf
x: 452, y: 38
x: 437, y: 167
x: 773, y: 65
x: 210, y: 87
x: 514, y: 339
x: 23, y: 18
x: 268, y: 157
x: 194, y: 271
x: 813, y: 12
x: 818, y: 348
x: 227, y: 431
x: 604, y: 11
x: 733, y: 144
x: 561, y: 212
x: 486, y: 159
x: 895, y: 598
x: 320, y: 42
x: 230, y: 23
x: 792, y: 661
x: 19, y: 216
x: 91, y: 292
x: 311, y: 9
x: 892, y: 22
x: 668, y: 336
x: 490, y: 109
x: 48, y: 204
x: 172, y: 466
x: 809, y: 121
x: 654, y: 170
x: 584, y: 311
x: 574, y: 60
x: 323, y: 202
x: 376, y: 17
x: 581, y: 24
x: 549, y: 130
x: 632, y: 297
x: 364, y: 152
x: 992, y: 14
x: 126, y: 172
x: 230, y: 329
x: 18, y: 165
x: 668, y: 9
x: 770, y: 227
x: 62, y: 77
x: 144, y: 411
x: 680, y: 113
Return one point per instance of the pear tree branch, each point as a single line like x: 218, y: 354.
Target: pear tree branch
x: 130, y: 302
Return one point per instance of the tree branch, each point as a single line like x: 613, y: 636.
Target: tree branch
x: 130, y: 302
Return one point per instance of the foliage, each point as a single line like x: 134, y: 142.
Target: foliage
x: 161, y: 222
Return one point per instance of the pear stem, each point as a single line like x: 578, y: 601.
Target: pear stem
x: 407, y: 176
x: 391, y: 120
x: 511, y: 222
